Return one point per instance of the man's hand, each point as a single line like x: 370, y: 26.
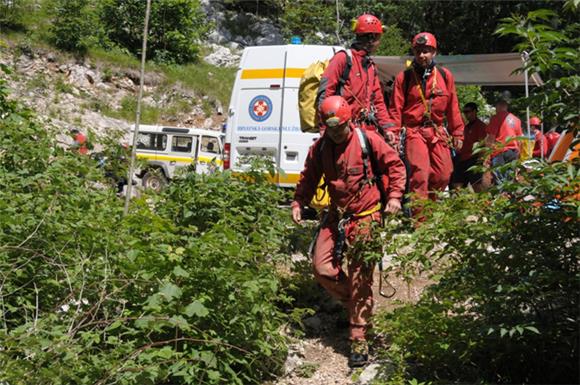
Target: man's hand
x: 391, y: 138
x: 457, y: 144
x: 393, y: 206
x: 297, y: 214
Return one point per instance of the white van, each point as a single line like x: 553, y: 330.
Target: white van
x: 263, y: 114
x: 166, y: 149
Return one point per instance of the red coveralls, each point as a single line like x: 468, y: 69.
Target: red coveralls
x: 426, y: 148
x: 362, y: 89
x: 473, y: 133
x: 541, y: 145
x: 552, y: 138
x: 501, y: 126
x: 342, y: 166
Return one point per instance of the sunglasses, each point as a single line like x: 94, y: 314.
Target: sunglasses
x: 467, y: 111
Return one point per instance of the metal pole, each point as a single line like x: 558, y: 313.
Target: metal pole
x: 138, y: 114
x: 525, y: 58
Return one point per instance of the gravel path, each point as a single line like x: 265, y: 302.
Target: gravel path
x: 321, y: 356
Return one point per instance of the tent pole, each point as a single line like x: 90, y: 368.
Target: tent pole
x: 525, y: 59
x: 131, y: 170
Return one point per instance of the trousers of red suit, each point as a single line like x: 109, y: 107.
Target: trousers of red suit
x: 353, y: 287
x: 429, y: 158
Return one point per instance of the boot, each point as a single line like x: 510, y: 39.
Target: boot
x: 359, y: 354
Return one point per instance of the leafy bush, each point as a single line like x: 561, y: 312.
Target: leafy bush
x: 505, y: 305
x: 74, y: 24
x: 175, y: 27
x: 181, y: 290
x: 12, y: 13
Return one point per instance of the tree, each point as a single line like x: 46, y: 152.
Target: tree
x: 175, y: 27
x: 74, y: 24
x: 554, y: 55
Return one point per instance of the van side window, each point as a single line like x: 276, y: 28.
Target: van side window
x: 182, y: 144
x: 148, y: 141
x: 210, y: 144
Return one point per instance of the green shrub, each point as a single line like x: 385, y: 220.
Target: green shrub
x: 505, y: 305
x: 183, y: 289
x: 175, y: 28
x: 74, y: 25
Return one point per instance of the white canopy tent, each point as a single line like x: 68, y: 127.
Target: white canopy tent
x: 497, y: 69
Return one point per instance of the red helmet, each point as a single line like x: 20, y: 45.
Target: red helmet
x: 535, y: 121
x: 425, y: 38
x: 335, y: 111
x: 367, y: 24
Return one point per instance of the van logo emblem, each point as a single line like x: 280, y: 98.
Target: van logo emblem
x: 260, y: 108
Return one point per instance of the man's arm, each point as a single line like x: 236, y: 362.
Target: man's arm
x: 382, y: 114
x: 330, y: 79
x: 389, y: 163
x: 454, y: 120
x: 396, y: 106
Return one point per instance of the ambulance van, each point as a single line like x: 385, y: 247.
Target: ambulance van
x: 263, y: 117
x: 167, y: 149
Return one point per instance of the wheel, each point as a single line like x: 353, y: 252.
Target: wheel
x: 154, y: 180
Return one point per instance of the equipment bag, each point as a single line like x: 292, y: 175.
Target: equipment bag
x: 308, y: 91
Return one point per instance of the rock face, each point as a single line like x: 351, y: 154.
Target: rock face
x: 222, y: 57
x: 69, y: 94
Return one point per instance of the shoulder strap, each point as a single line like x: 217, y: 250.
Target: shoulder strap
x: 365, y: 146
x: 368, y: 153
x: 346, y: 72
x: 443, y: 73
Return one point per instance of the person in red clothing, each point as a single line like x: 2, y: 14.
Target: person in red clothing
x: 473, y: 133
x: 362, y: 87
x: 552, y: 138
x: 423, y: 96
x: 501, y: 132
x: 355, y: 200
x: 540, y: 142
x: 79, y: 142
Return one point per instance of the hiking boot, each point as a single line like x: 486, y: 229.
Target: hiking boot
x: 359, y: 354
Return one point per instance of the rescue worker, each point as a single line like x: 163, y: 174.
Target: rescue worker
x: 361, y: 87
x: 79, y: 142
x: 540, y: 143
x: 474, y: 132
x: 503, y: 127
x: 355, y: 200
x: 552, y: 138
x: 423, y: 96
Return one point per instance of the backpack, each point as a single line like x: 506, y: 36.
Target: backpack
x: 308, y: 91
x: 321, y: 198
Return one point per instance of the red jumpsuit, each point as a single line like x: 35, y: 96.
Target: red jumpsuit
x: 541, y: 145
x: 552, y: 138
x: 362, y: 89
x: 426, y: 147
x: 342, y: 166
x: 502, y: 126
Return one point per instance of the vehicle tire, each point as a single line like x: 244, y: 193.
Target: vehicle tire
x: 154, y: 180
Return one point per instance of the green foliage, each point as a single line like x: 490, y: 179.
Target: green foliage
x: 12, y: 13
x: 73, y: 24
x: 553, y: 54
x: 183, y: 289
x: 393, y: 43
x: 175, y: 28
x: 504, y: 308
x: 467, y: 94
x: 307, y: 18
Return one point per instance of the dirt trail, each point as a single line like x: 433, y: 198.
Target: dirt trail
x: 321, y: 356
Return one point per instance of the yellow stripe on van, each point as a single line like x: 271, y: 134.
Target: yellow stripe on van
x: 272, y: 73
x: 179, y: 159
